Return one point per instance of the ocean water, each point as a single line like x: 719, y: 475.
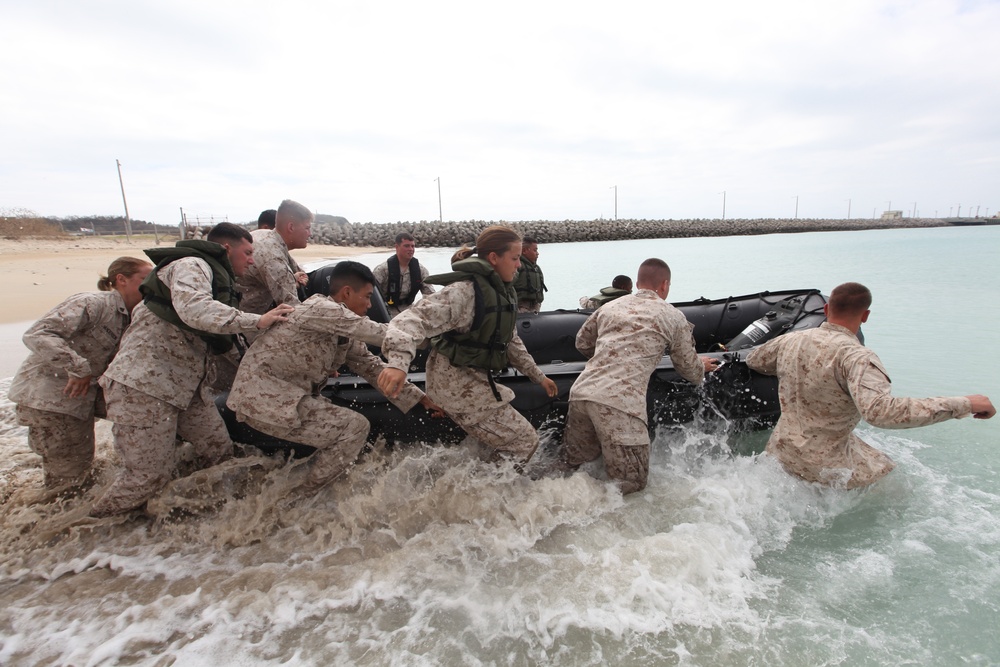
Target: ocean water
x: 427, y: 556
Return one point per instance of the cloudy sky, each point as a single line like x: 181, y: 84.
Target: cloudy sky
x: 523, y: 110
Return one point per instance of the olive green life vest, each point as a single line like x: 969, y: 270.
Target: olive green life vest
x: 156, y: 295
x: 529, y: 283
x: 485, y: 345
x: 608, y: 294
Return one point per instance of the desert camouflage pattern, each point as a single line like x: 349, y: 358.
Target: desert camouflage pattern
x: 593, y: 430
x: 65, y: 443
x: 270, y: 280
x: 624, y: 340
x: 145, y: 433
x: 277, y: 387
x: 463, y: 393
x: 381, y: 273
x: 827, y: 382
x: 164, y: 361
x: 76, y: 338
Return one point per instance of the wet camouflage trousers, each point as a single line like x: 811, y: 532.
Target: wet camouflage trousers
x: 145, y: 431
x: 337, y: 433
x: 65, y: 443
x: 593, y: 429
x: 503, y: 430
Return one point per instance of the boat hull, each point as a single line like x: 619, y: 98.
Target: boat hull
x: 727, y: 329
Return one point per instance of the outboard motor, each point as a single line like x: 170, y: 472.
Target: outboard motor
x: 774, y: 323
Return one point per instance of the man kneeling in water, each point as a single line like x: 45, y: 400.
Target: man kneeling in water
x: 276, y: 390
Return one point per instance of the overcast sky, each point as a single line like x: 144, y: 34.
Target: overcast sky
x: 524, y: 110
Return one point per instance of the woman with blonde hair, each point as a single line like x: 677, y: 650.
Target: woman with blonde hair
x: 55, y: 388
x: 471, y: 324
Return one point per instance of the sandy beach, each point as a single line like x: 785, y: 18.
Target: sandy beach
x: 38, y: 274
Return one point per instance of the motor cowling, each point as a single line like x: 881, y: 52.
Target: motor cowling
x: 774, y: 323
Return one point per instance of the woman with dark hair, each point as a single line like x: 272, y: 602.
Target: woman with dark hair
x: 471, y: 324
x: 55, y: 389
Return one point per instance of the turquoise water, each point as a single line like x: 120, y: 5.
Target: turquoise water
x: 430, y: 557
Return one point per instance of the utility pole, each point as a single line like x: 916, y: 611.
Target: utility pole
x: 796, y: 198
x: 723, y: 205
x: 615, y: 188
x: 128, y: 222
x: 848, y: 209
x: 440, y: 215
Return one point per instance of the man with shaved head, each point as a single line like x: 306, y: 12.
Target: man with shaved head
x: 275, y: 277
x: 827, y: 382
x: 623, y: 341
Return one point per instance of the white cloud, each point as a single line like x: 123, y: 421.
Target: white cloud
x: 524, y: 110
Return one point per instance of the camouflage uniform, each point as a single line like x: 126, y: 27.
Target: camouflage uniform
x: 828, y: 381
x: 464, y: 393
x: 624, y: 340
x: 530, y: 286
x: 156, y: 387
x: 277, y: 387
x: 270, y: 280
x: 76, y: 338
x: 381, y: 273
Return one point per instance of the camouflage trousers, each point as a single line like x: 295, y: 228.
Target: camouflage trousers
x: 525, y: 306
x: 65, y: 443
x: 337, y: 433
x: 593, y: 429
x: 503, y: 430
x: 145, y: 431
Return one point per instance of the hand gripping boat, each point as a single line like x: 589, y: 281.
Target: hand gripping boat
x: 727, y: 329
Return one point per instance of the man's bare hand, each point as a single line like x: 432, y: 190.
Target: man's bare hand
x: 710, y: 364
x: 76, y: 387
x: 390, y: 381
x: 982, y: 407
x: 277, y: 314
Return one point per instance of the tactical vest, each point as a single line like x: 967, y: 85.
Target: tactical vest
x: 156, y: 295
x: 393, y: 297
x: 529, y: 283
x: 485, y: 345
x: 608, y: 294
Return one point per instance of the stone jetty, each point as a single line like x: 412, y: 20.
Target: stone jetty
x: 336, y: 231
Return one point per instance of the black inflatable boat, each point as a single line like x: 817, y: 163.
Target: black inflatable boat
x: 726, y: 328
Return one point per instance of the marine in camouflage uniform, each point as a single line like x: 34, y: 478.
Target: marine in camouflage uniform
x: 76, y: 339
x: 465, y: 393
x: 277, y: 387
x: 623, y: 341
x: 156, y: 386
x: 381, y: 273
x: 827, y: 382
x: 530, y: 285
x: 271, y: 278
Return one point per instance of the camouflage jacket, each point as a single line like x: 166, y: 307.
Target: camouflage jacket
x: 271, y: 277
x: 76, y: 338
x: 381, y: 273
x: 624, y: 341
x: 160, y: 359
x: 827, y: 382
x: 294, y: 359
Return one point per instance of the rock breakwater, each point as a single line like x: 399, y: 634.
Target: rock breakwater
x: 452, y: 234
